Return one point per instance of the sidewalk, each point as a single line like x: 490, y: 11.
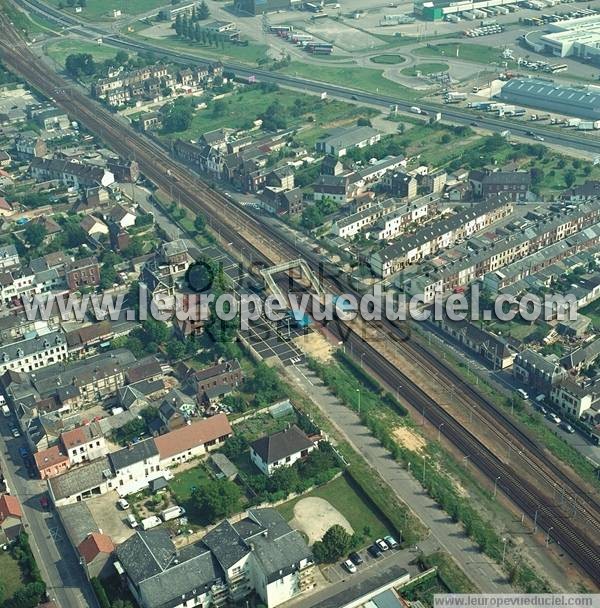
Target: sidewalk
x: 445, y: 534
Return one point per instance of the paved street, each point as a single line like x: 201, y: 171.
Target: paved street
x: 56, y: 558
x: 445, y: 533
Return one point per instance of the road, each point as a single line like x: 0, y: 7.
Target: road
x: 56, y: 558
x: 460, y: 116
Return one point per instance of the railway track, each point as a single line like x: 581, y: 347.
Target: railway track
x: 576, y: 536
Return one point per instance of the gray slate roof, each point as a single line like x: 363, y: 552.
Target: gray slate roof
x: 136, y: 452
x: 272, y: 448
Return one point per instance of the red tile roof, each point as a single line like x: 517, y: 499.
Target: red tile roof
x: 94, y: 544
x: 192, y: 435
x: 50, y: 457
x: 75, y: 437
x: 10, y: 507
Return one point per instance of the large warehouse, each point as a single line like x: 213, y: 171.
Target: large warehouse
x: 436, y: 10
x: 259, y: 7
x: 574, y: 38
x: 545, y: 95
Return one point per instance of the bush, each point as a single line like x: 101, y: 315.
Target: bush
x: 100, y: 593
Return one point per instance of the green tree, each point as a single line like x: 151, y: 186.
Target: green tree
x: 216, y: 499
x: 80, y: 64
x: 35, y: 233
x: 178, y: 116
x: 570, y: 177
x: 179, y: 25
x: 199, y: 223
x: 156, y: 331
x: 121, y: 57
x: 203, y: 12
x: 175, y: 349
x: 28, y: 596
x: 335, y: 543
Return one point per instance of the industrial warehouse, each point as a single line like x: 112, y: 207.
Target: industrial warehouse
x: 438, y: 10
x: 545, y: 95
x: 574, y: 38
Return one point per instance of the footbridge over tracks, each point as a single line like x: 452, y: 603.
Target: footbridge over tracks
x: 299, y: 264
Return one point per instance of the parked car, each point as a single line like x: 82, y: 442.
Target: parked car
x: 15, y: 432
x: 391, y: 542
x: 374, y: 551
x: 565, y: 426
x: 123, y: 504
x: 541, y: 409
x: 355, y: 558
x: 132, y: 521
x: 23, y: 451
x: 381, y: 544
x: 553, y: 417
x: 348, y: 565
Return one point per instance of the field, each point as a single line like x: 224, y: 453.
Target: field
x: 239, y: 109
x: 10, y: 574
x: 425, y: 69
x: 185, y: 482
x: 363, y: 79
x: 388, y: 59
x: 477, y: 53
x: 349, y: 502
x: 102, y: 9
x: 59, y: 50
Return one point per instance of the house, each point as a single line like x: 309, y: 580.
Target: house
x: 164, y: 272
x: 92, y: 226
x: 281, y: 449
x: 282, y: 202
x: 122, y: 217
x: 282, y: 178
x: 51, y: 462
x: 84, y: 443
x: 400, y: 184
x: 9, y: 257
x: 259, y: 553
x: 342, y: 139
x: 11, y: 517
x: 176, y: 409
x: 96, y: 552
x: 339, y: 188
x: 150, y: 121
x: 574, y: 398
x: 30, y: 145
x: 124, y: 171
x: 192, y: 440
x: 71, y: 174
x: 6, y: 208
x: 228, y: 373
x: 33, y: 352
x: 83, y: 273
x: 135, y: 466
x: 536, y: 371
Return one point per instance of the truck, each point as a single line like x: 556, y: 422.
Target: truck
x: 415, y: 110
x: 505, y: 133
x: 171, y: 513
x: 151, y: 522
x: 453, y: 96
x: 588, y: 125
x: 573, y: 122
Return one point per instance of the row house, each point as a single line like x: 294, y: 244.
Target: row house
x: 83, y: 273
x: 71, y: 174
x: 164, y: 272
x: 440, y: 235
x: 129, y: 79
x: 350, y: 225
x: 33, y: 353
x: 396, y: 222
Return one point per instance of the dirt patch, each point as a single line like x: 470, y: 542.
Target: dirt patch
x: 314, y: 516
x: 409, y: 439
x: 315, y: 345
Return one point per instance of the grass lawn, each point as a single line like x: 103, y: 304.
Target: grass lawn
x: 185, y: 482
x: 364, y: 79
x: 244, y: 54
x: 263, y: 424
x: 33, y: 25
x: 593, y: 312
x: 388, y: 59
x: 477, y: 53
x: 425, y: 68
x: 102, y: 9
x: 59, y: 50
x: 10, y: 574
x: 244, y: 106
x: 350, y: 502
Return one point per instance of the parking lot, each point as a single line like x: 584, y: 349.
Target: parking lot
x: 109, y: 518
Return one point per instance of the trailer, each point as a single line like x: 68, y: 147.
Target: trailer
x: 588, y: 125
x: 468, y: 15
x: 453, y: 18
x: 455, y: 96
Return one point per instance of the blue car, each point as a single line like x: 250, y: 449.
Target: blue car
x: 24, y: 452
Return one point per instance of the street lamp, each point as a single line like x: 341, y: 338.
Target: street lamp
x: 496, y: 485
x: 361, y: 359
x: 440, y: 431
x: 548, y: 535
x: 504, y: 541
x: 358, y: 391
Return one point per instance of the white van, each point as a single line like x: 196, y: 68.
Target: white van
x: 522, y: 393
x: 151, y: 522
x: 132, y: 521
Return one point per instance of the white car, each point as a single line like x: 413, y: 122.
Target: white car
x: 123, y: 504
x: 15, y: 432
x: 553, y: 417
x: 382, y: 544
x: 350, y: 566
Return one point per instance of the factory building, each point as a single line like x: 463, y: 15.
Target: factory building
x: 545, y: 95
x: 260, y: 7
x: 437, y: 10
x: 574, y: 38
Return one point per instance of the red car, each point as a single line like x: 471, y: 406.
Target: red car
x: 44, y: 502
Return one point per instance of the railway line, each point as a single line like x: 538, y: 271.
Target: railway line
x: 576, y: 531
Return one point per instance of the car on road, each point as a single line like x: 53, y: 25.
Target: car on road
x: 355, y: 558
x: 354, y: 97
x: 23, y: 451
x: 15, y: 432
x: 474, y: 123
x: 348, y: 565
x: 383, y: 546
x: 553, y: 417
x: 44, y: 503
x: 538, y: 137
x: 540, y: 408
x: 565, y: 426
x: 123, y: 504
x: 391, y: 542
x: 374, y: 551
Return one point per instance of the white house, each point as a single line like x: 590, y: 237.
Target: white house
x: 282, y: 449
x: 34, y: 352
x: 135, y: 466
x: 84, y: 443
